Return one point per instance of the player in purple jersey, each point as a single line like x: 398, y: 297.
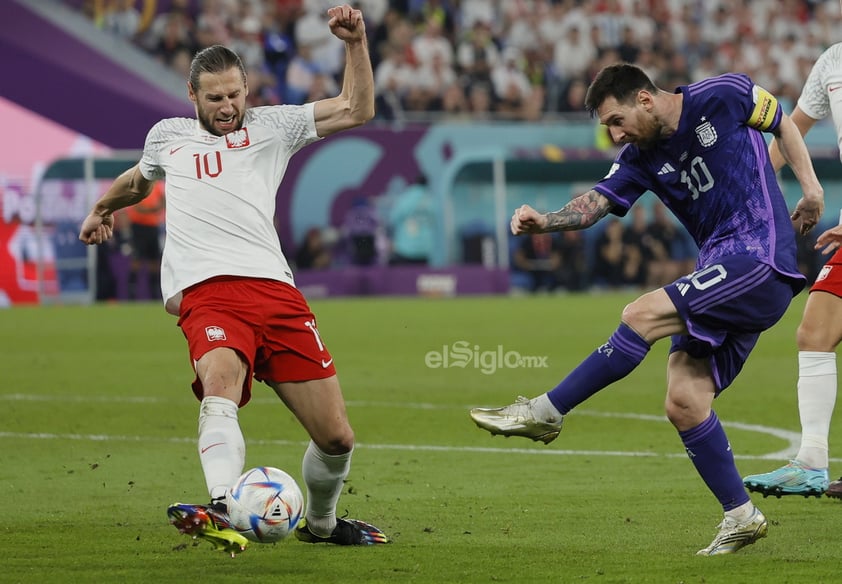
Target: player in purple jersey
x: 701, y: 151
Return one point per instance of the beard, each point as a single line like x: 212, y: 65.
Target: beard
x: 207, y: 123
x: 650, y: 135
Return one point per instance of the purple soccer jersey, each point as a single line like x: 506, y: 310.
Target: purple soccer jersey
x: 714, y: 174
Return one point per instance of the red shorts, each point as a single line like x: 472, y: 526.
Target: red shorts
x: 267, y: 322
x: 830, y: 276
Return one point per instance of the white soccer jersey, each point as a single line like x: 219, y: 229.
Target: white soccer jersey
x: 822, y: 93
x: 220, y: 195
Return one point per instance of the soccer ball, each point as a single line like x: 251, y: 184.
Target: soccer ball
x: 265, y: 504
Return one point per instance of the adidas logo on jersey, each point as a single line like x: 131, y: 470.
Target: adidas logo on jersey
x: 666, y: 169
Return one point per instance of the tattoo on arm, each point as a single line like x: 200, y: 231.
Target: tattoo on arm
x: 581, y: 212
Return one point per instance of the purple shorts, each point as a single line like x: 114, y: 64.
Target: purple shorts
x: 726, y: 305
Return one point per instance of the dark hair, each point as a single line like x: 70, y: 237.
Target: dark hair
x: 214, y: 59
x: 621, y: 81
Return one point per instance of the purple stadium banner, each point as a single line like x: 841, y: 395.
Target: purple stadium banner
x: 62, y: 78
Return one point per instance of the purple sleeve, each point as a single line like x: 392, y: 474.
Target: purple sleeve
x: 624, y: 183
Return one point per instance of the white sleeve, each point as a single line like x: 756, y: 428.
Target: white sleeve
x: 297, y: 123
x: 149, y: 162
x: 822, y: 93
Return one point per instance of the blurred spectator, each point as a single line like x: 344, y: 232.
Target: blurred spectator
x: 667, y: 264
x: 179, y: 12
x: 213, y: 24
x: 523, y: 33
x: 477, y: 54
x: 454, y: 104
x: 313, y: 252
x: 674, y: 42
x: 263, y: 88
x: 246, y: 41
x: 511, y: 86
x: 328, y: 52
x: 608, y: 261
x: 480, y: 101
x: 441, y: 12
x: 411, y: 225
x: 610, y: 21
x: 432, y: 43
x: 636, y: 249
x: 539, y: 257
x: 628, y: 48
x: 474, y: 11
x: 392, y: 83
x: 682, y: 249
x: 380, y: 37
x: 122, y: 19
x: 573, y: 53
x: 181, y: 60
x: 173, y: 40
x: 145, y: 224
x: 363, y: 235
x: 301, y: 75
x: 430, y: 82
x: 572, y: 275
x: 573, y: 99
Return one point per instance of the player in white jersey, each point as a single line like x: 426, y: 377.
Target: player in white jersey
x: 820, y: 330
x: 225, y: 276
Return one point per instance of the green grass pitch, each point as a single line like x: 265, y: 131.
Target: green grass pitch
x: 98, y: 424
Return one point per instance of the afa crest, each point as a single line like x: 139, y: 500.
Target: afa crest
x: 706, y: 133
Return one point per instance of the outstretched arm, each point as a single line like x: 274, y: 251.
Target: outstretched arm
x: 581, y: 212
x: 354, y: 106
x: 127, y: 189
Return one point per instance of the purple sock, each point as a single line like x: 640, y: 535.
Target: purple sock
x: 612, y: 361
x: 709, y: 449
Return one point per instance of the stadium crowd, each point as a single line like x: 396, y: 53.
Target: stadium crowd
x: 488, y: 59
x: 500, y: 59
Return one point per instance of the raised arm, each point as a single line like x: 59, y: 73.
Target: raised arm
x: 580, y: 213
x: 354, y: 106
x: 789, y: 146
x: 127, y: 189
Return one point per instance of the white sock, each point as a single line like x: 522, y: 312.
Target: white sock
x: 545, y: 408
x: 222, y: 450
x: 816, y: 398
x: 323, y: 476
x: 742, y: 513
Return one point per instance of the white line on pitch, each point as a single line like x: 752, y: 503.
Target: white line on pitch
x: 366, y: 446
x: 793, y: 438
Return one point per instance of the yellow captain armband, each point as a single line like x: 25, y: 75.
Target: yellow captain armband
x: 765, y: 108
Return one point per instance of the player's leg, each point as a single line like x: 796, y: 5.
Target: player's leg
x: 319, y: 406
x: 218, y: 338
x: 725, y: 308
x: 818, y: 336
x: 299, y: 368
x: 221, y: 373
x: 690, y: 393
x: 819, y: 333
x: 647, y: 319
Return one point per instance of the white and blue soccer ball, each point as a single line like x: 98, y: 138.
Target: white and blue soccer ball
x: 265, y: 504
